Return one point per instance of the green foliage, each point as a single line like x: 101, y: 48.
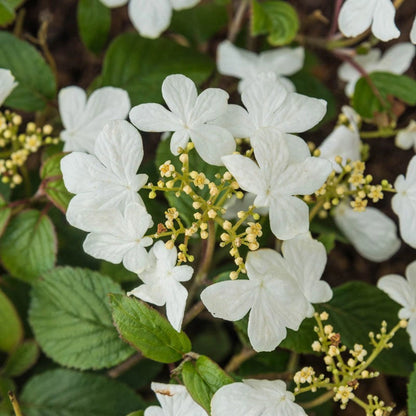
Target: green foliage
x: 203, y: 378
x: 71, y: 319
x: 214, y: 341
x: 5, y: 213
x: 52, y: 182
x: 411, y: 393
x: 146, y: 330
x: 141, y: 73
x: 8, y: 10
x: 21, y: 359
x: 28, y: 247
x: 69, y: 393
x: 11, y: 330
x: 278, y: 19
x: 36, y: 81
x: 265, y: 362
x: 389, y: 86
x: 94, y: 21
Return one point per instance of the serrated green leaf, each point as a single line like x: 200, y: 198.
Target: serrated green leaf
x: 71, y: 319
x: 203, y: 378
x: 366, y: 102
x: 52, y: 182
x: 277, y: 18
x: 141, y: 73
x: 94, y: 21
x: 146, y: 330
x: 69, y: 393
x: 28, y: 247
x: 11, y: 329
x: 36, y: 83
x: 8, y: 10
x: 411, y: 393
x: 21, y: 359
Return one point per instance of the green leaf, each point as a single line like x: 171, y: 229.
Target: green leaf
x: 5, y: 213
x: 52, y: 182
x: 8, y: 10
x: 203, y: 378
x: 28, y: 247
x: 200, y: 23
x: 11, y: 329
x: 118, y: 272
x: 277, y: 18
x: 365, y: 101
x: 21, y: 359
x: 6, y: 385
x: 137, y: 413
x: 69, y: 393
x: 265, y: 362
x: 141, y: 73
x: 36, y: 81
x: 411, y: 393
x: 146, y: 330
x: 94, y: 21
x: 71, y: 319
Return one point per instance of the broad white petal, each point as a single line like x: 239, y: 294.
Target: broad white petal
x: 262, y: 265
x: 179, y: 140
x: 298, y: 148
x: 237, y: 121
x: 397, y: 59
x: 149, y: 293
x: 383, y: 26
x: 164, y: 255
x: 176, y: 296
x: 183, y: 4
x: 283, y: 61
x: 150, y: 18
x: 356, y: 16
x: 411, y: 277
x: 405, y: 139
x: 72, y: 101
x: 289, y: 216
x: 154, y: 117
x: 229, y: 300
x: 372, y: 233
x: 413, y: 32
x: 406, y: 211
x: 210, y: 104
x: 182, y: 273
x: 397, y: 287
x: 154, y: 411
x: 114, y: 3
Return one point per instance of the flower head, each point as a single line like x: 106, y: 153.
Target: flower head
x: 7, y: 84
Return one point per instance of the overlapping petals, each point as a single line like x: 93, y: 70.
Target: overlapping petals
x: 84, y: 118
x: 7, y: 84
x: 162, y: 283
x: 189, y: 118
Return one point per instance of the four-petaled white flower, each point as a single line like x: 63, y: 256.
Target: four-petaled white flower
x: 189, y: 118
x: 84, y: 118
x: 175, y: 401
x: 7, y: 84
x: 256, y: 398
x: 269, y: 105
x: 151, y: 17
x: 247, y: 65
x: 277, y: 293
x: 356, y: 16
x: 118, y: 236
x: 406, y: 138
x: 372, y: 233
x: 108, y: 178
x: 275, y: 181
x: 162, y: 283
x: 403, y: 291
x: 396, y: 60
x: 404, y: 203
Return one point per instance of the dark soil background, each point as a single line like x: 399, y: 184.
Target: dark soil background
x: 77, y: 66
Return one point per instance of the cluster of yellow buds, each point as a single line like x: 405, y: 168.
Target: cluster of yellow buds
x: 16, y: 147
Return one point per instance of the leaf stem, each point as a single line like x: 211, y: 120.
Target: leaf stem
x: 15, y: 404
x: 238, y: 359
x: 237, y: 21
x: 124, y: 366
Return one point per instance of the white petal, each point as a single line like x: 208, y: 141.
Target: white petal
x: 283, y: 61
x: 164, y: 255
x: 184, y: 4
x: 263, y: 264
x: 230, y: 300
x: 150, y: 18
x: 298, y: 148
x: 114, y: 3
x: 405, y: 139
x: 182, y: 273
x: 397, y: 287
x: 179, y: 140
x: 411, y: 330
x: 299, y: 113
x: 149, y: 293
x: 397, y: 59
x: 7, y: 84
x: 383, y: 26
x: 154, y: 411
x: 356, y: 16
x: 72, y: 102
x: 372, y: 233
x: 413, y: 32
x: 210, y: 104
x: 237, y: 121
x: 154, y: 117
x: 175, y: 305
x: 289, y: 216
x: 411, y: 277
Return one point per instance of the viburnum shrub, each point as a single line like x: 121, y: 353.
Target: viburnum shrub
x: 177, y: 234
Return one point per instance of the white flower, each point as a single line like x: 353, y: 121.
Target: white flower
x: 270, y: 105
x: 403, y: 291
x: 275, y: 181
x: 247, y: 65
x: 271, y: 294
x: 396, y: 60
x: 404, y: 203
x: 413, y: 32
x: 162, y: 283
x: 255, y: 398
x: 151, y: 17
x: 372, y: 233
x: 107, y: 179
x: 119, y: 237
x: 7, y: 84
x: 84, y: 118
x: 406, y: 138
x: 188, y: 118
x: 175, y: 401
x: 356, y: 16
